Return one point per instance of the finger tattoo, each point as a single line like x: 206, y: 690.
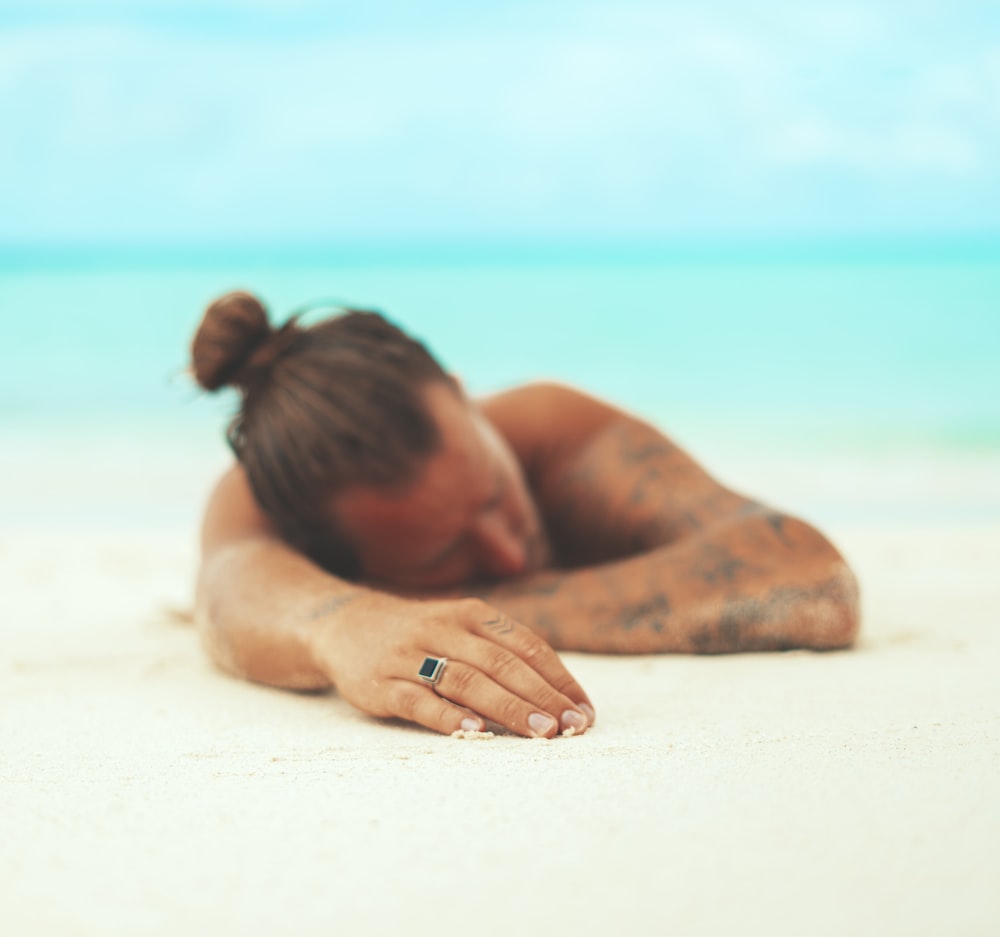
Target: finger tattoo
x: 501, y: 624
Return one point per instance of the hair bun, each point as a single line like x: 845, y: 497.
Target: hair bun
x: 233, y: 328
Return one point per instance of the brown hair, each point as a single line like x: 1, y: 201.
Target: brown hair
x: 322, y: 408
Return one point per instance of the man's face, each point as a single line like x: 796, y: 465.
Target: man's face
x: 467, y: 517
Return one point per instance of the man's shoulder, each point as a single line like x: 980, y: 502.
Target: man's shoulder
x: 544, y: 420
x: 527, y: 397
x: 545, y: 405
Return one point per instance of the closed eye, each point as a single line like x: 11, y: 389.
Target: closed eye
x: 444, y: 555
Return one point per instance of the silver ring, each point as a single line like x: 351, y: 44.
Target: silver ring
x: 431, y: 669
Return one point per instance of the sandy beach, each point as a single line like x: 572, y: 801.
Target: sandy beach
x: 144, y: 793
x: 770, y: 230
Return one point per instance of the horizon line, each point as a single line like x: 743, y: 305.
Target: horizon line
x: 972, y: 246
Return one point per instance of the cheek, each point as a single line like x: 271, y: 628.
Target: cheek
x: 521, y: 507
x: 523, y: 516
x: 526, y: 522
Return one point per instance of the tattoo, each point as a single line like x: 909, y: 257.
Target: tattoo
x: 739, y: 618
x: 652, y: 613
x: 500, y: 625
x: 534, y: 613
x: 543, y: 624
x: 333, y: 604
x: 643, y: 448
x: 777, y: 521
x: 716, y: 565
x: 629, y: 491
x: 772, y: 623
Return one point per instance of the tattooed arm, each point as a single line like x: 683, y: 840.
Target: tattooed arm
x: 654, y: 554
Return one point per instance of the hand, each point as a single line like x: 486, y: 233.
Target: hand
x: 497, y: 669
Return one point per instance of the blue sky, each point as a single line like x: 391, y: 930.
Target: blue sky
x: 270, y: 122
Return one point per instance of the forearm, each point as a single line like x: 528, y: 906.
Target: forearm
x: 268, y: 614
x: 761, y: 581
x: 264, y: 612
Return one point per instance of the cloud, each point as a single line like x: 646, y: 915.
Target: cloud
x: 634, y: 118
x: 917, y: 148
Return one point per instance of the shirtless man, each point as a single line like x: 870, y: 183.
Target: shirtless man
x: 424, y: 553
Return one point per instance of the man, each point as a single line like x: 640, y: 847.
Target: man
x: 538, y: 518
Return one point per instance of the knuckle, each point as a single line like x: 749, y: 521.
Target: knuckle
x: 535, y: 650
x: 500, y: 662
x: 551, y: 700
x: 569, y: 688
x: 423, y: 627
x: 445, y: 714
x: 403, y: 702
x: 473, y: 607
x: 463, y: 680
x: 511, y: 712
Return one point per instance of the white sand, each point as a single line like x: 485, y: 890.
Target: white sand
x: 854, y: 793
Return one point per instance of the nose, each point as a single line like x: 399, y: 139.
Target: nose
x: 502, y: 552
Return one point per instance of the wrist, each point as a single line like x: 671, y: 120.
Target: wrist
x: 347, y: 626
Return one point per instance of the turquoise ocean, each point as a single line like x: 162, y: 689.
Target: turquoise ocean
x: 855, y: 348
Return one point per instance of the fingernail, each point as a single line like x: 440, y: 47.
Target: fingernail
x: 541, y: 724
x: 588, y: 710
x: 472, y: 725
x: 571, y: 719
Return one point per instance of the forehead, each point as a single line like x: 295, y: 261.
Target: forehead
x: 449, y: 485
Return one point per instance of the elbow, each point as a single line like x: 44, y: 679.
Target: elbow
x: 834, y: 620
x: 215, y: 640
x: 243, y: 639
x: 818, y: 614
x: 824, y: 609
x: 822, y: 588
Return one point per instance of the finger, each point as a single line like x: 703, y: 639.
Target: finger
x: 422, y: 705
x: 509, y: 671
x: 465, y: 684
x: 534, y: 651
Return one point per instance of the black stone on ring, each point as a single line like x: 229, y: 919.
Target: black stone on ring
x: 431, y: 669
